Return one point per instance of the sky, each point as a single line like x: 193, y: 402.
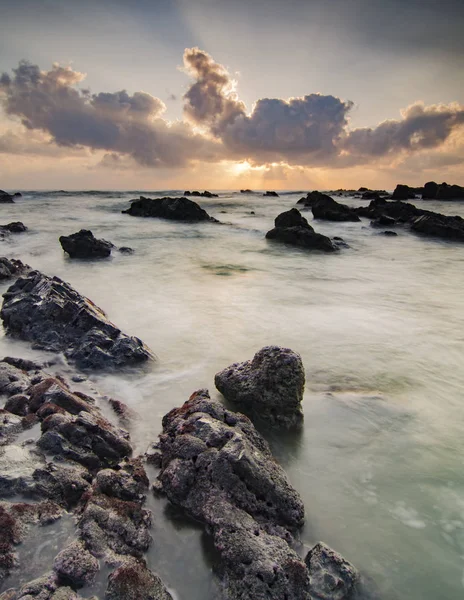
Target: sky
x: 228, y: 94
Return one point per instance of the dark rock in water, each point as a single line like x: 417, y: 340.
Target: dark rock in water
x: 403, y: 192
x: 292, y: 228
x: 10, y: 267
x: 83, y: 244
x: 6, y: 198
x: 204, y: 194
x: 13, y: 380
x: 15, y: 227
x: 126, y: 250
x: 330, y: 210
x: 437, y: 225
x: 18, y: 405
x: 220, y: 470
x: 332, y: 577
x: 175, y: 209
x: 17, y: 195
x: 271, y: 385
x: 401, y: 212
x: 130, y: 482
x: 430, y: 190
x: 450, y: 192
x: 246, y: 191
x: 313, y: 197
x: 388, y: 233
x: 383, y: 221
x: 50, y: 313
x: 75, y: 566
x: 363, y: 189
x: 46, y: 587
x: 271, y: 194
x: 134, y: 581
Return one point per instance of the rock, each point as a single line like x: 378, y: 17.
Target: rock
x: 75, y: 566
x: 246, y: 191
x: 12, y: 379
x: 313, y: 197
x: 204, y: 194
x: 126, y: 250
x: 12, y: 267
x: 16, y: 227
x: 384, y: 221
x: 83, y: 244
x: 220, y: 470
x: 87, y: 438
x: 18, y: 405
x: 11, y: 425
x: 370, y: 195
x: 6, y: 198
x: 403, y: 192
x: 134, y: 581
x: 176, y: 209
x: 388, y: 233
x: 330, y: 210
x: 450, y: 192
x: 363, y: 189
x: 402, y: 212
x: 437, y: 225
x: 299, y: 234
x: 430, y: 190
x: 271, y: 194
x: 50, y: 313
x: 130, y: 482
x: 271, y: 385
x: 332, y: 577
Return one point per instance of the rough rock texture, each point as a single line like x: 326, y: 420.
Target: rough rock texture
x: 204, y: 194
x: 15, y: 227
x: 221, y: 471
x: 291, y: 228
x: 75, y: 566
x: 134, y: 581
x: 330, y: 210
x: 49, y: 312
x: 447, y: 228
x: 130, y: 482
x: 332, y: 577
x: 403, y: 192
x: 271, y: 385
x: 46, y: 587
x: 176, y: 209
x: 383, y: 221
x: 83, y: 244
x: 10, y: 267
x: 430, y: 190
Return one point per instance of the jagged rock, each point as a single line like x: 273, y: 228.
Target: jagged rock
x: 46, y: 587
x: 220, y: 470
x: 271, y: 194
x: 402, y: 212
x: 23, y: 363
x: 75, y: 566
x: 11, y: 425
x: 271, y: 385
x: 83, y: 244
x: 15, y: 227
x: 87, y: 438
x: 176, y: 209
x: 6, y: 198
x: 18, y: 405
x: 437, y: 225
x: 450, y: 192
x: 403, y: 192
x: 204, y: 194
x: 332, y: 577
x: 54, y: 391
x: 130, y: 482
x: 11, y: 267
x: 330, y: 210
x: 134, y: 581
x: 295, y: 230
x: 50, y: 313
x: 246, y: 191
x: 13, y: 380
x: 388, y: 233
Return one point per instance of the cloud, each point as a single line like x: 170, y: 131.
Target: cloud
x: 116, y: 122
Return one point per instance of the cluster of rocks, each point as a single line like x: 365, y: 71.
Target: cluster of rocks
x: 430, y: 191
x: 292, y: 228
x: 55, y: 317
x: 204, y: 194
x: 174, y: 209
x: 6, y: 198
x: 80, y: 463
x: 84, y: 244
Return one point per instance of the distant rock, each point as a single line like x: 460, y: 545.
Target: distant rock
x: 84, y: 244
x: 271, y: 386
x: 292, y: 228
x: 330, y: 210
x: 175, y: 209
x: 51, y: 314
x: 271, y: 194
x: 388, y: 233
x: 6, y: 198
x: 450, y: 192
x: 332, y: 577
x: 204, y: 194
x: 403, y: 192
x: 126, y: 250
x: 15, y: 227
x: 246, y: 192
x: 75, y: 566
x: 313, y: 197
x: 363, y: 189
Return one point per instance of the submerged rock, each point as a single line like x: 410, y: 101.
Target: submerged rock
x: 46, y: 587
x: 271, y: 194
x: 313, y: 197
x: 175, y: 209
x: 84, y: 244
x: 444, y: 191
x: 221, y: 471
x: 332, y: 577
x: 292, y: 228
x: 330, y: 210
x: 49, y: 312
x: 271, y: 385
x: 134, y: 581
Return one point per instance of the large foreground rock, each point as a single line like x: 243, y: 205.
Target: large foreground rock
x: 292, y: 228
x: 271, y: 385
x: 175, y: 209
x: 437, y: 225
x: 55, y: 317
x: 134, y: 581
x: 403, y: 192
x: 84, y: 244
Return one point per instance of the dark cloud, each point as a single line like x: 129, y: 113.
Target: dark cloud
x: 117, y: 122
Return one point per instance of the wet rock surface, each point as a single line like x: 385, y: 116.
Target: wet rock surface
x: 330, y: 210
x: 293, y: 229
x: 84, y: 244
x: 134, y: 581
x: 332, y: 577
x: 221, y: 471
x: 313, y: 197
x: 271, y: 385
x: 448, y: 228
x: 55, y: 317
x: 10, y: 268
x: 175, y: 209
x: 15, y: 227
x: 75, y: 566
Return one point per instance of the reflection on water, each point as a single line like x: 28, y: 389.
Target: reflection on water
x: 380, y: 330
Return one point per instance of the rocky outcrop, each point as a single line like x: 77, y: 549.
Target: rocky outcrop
x: 6, y: 198
x: 55, y: 317
x: 292, y: 228
x: 15, y: 227
x: 330, y: 210
x: 441, y: 226
x: 10, y: 267
x: 83, y: 244
x: 174, y: 209
x: 313, y: 197
x: 270, y: 386
x: 204, y: 194
x: 443, y: 191
x: 403, y: 192
x: 75, y: 566
x: 332, y: 577
x: 134, y: 581
x: 271, y: 194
